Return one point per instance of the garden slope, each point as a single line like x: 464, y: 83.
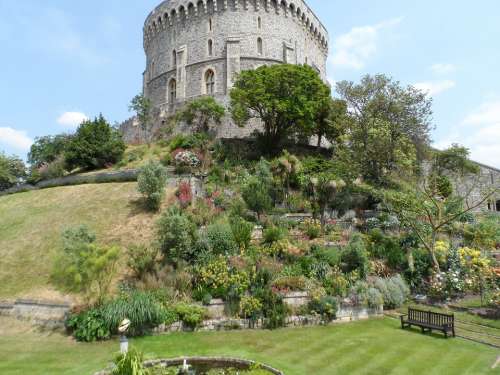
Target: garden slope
x: 31, y: 225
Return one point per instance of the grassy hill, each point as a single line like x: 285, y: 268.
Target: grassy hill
x: 31, y: 225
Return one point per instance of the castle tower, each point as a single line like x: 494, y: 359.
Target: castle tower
x: 197, y: 47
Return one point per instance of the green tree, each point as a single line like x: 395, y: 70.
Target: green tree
x: 47, y: 149
x: 12, y: 171
x: 143, y: 106
x: 84, y: 266
x: 284, y: 97
x: 201, y: 112
x: 94, y: 145
x: 151, y: 183
x: 390, y: 126
x: 176, y: 236
x: 286, y: 168
x: 256, y: 195
x: 331, y: 120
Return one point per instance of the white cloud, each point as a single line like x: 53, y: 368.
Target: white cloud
x: 353, y: 49
x: 435, y: 87
x: 15, y: 139
x: 71, y: 119
x: 480, y: 132
x: 443, y: 68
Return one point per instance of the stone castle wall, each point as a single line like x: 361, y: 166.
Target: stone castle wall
x: 185, y: 41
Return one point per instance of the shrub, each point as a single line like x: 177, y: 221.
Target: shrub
x: 220, y: 239
x: 184, y: 194
x: 355, y: 257
x: 312, y: 228
x: 330, y: 255
x: 286, y: 284
x: 185, y: 160
x: 191, y: 315
x: 273, y: 234
x: 151, y: 184
x: 141, y: 308
x: 256, y: 195
x: 386, y: 248
x: 88, y: 326
x: 250, y: 308
x: 394, y: 291
x: 130, y: 363
x: 95, y: 145
x: 374, y: 298
x: 221, y: 282
x: 274, y: 309
x: 83, y: 266
x: 325, y: 306
x: 47, y: 149
x: 12, y: 171
x: 54, y: 169
x: 242, y: 232
x: 142, y: 260
x: 176, y: 236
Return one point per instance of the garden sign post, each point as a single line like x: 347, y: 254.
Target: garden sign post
x: 123, y: 328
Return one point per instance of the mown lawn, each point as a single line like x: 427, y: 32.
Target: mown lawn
x: 375, y: 347
x: 31, y: 224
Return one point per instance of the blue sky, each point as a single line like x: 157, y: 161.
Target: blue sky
x: 65, y: 60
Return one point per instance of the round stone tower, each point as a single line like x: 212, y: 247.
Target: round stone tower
x: 197, y: 47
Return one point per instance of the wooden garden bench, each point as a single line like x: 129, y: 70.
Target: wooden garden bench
x: 429, y: 321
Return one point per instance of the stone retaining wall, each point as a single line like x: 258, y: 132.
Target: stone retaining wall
x: 43, y: 313
x: 344, y: 314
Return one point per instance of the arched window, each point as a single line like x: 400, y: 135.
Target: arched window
x: 174, y: 58
x: 210, y: 82
x: 210, y: 47
x: 172, y: 91
x: 260, y: 48
x: 259, y: 23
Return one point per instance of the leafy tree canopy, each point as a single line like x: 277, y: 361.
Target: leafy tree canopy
x: 95, y: 144
x: 390, y: 127
x: 12, y: 171
x: 284, y: 97
x: 47, y: 149
x: 201, y: 112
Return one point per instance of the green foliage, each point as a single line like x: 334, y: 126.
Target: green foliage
x: 483, y: 234
x: 220, y: 239
x: 256, y: 196
x: 242, y: 232
x: 389, y: 128
x: 141, y: 308
x: 191, y: 315
x: 83, y: 266
x: 250, y: 307
x: 284, y: 97
x: 273, y: 234
x: 142, y: 260
x: 331, y: 120
x: 176, y: 235
x: 143, y: 106
x: 394, y: 291
x: 130, y: 363
x: 47, y: 149
x: 54, y: 169
x: 95, y: 145
x: 354, y: 256
x: 88, y: 326
x: 188, y: 142
x: 12, y: 171
x: 454, y: 159
x: 201, y: 112
x: 274, y: 309
x: 325, y: 306
x: 151, y: 183
x: 374, y: 298
x: 386, y: 247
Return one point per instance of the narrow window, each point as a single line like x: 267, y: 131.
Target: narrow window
x: 174, y: 58
x: 210, y: 24
x: 210, y: 82
x: 498, y: 205
x: 172, y: 91
x: 260, y: 48
x: 259, y: 23
x: 210, y: 47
